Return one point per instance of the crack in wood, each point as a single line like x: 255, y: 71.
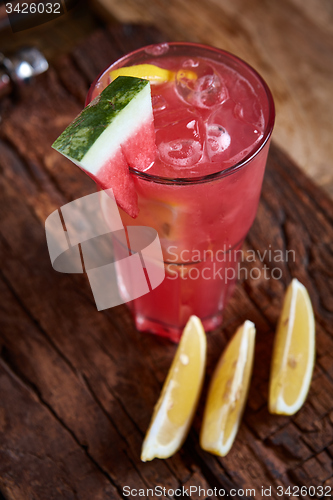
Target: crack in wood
x: 51, y: 459
x: 206, y: 465
x: 5, y: 243
x: 106, y: 413
x: 7, y: 358
x: 78, y: 68
x: 71, y: 87
x: 39, y: 179
x: 36, y: 322
x: 12, y: 368
x: 322, y: 202
x: 32, y: 191
x: 2, y: 496
x: 42, y: 182
x: 118, y: 327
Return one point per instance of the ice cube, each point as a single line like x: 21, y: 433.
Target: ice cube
x: 247, y: 106
x: 158, y: 103
x: 200, y: 86
x: 179, y: 141
x: 190, y: 63
x: 218, y: 140
x: 180, y: 153
x: 229, y: 137
x: 157, y: 50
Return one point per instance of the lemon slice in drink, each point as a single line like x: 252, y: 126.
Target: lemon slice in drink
x: 175, y: 408
x: 293, y: 352
x: 154, y: 74
x: 227, y: 392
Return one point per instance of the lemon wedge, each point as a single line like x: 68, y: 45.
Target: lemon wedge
x: 227, y: 392
x: 293, y: 352
x: 154, y: 74
x: 176, y: 405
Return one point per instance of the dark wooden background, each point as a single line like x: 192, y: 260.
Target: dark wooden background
x: 78, y: 386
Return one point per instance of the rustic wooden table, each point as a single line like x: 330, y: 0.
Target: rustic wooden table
x: 78, y: 386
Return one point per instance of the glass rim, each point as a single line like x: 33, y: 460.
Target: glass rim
x: 221, y: 173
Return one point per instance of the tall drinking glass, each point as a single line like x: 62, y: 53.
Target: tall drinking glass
x: 213, y: 117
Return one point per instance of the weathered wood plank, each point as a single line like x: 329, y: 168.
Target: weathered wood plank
x: 89, y: 376
x: 50, y: 466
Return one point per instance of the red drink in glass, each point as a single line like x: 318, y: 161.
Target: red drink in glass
x: 213, y: 117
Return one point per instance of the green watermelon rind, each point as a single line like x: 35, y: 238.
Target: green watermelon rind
x: 116, y: 105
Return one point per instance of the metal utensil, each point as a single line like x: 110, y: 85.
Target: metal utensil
x: 20, y: 68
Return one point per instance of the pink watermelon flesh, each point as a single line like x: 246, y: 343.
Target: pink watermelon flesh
x: 115, y: 174
x: 140, y: 149
x: 137, y: 152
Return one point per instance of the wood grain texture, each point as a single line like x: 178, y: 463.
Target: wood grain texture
x: 78, y: 386
x: 289, y: 42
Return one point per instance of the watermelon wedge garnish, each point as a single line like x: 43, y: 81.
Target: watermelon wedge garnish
x: 115, y: 131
